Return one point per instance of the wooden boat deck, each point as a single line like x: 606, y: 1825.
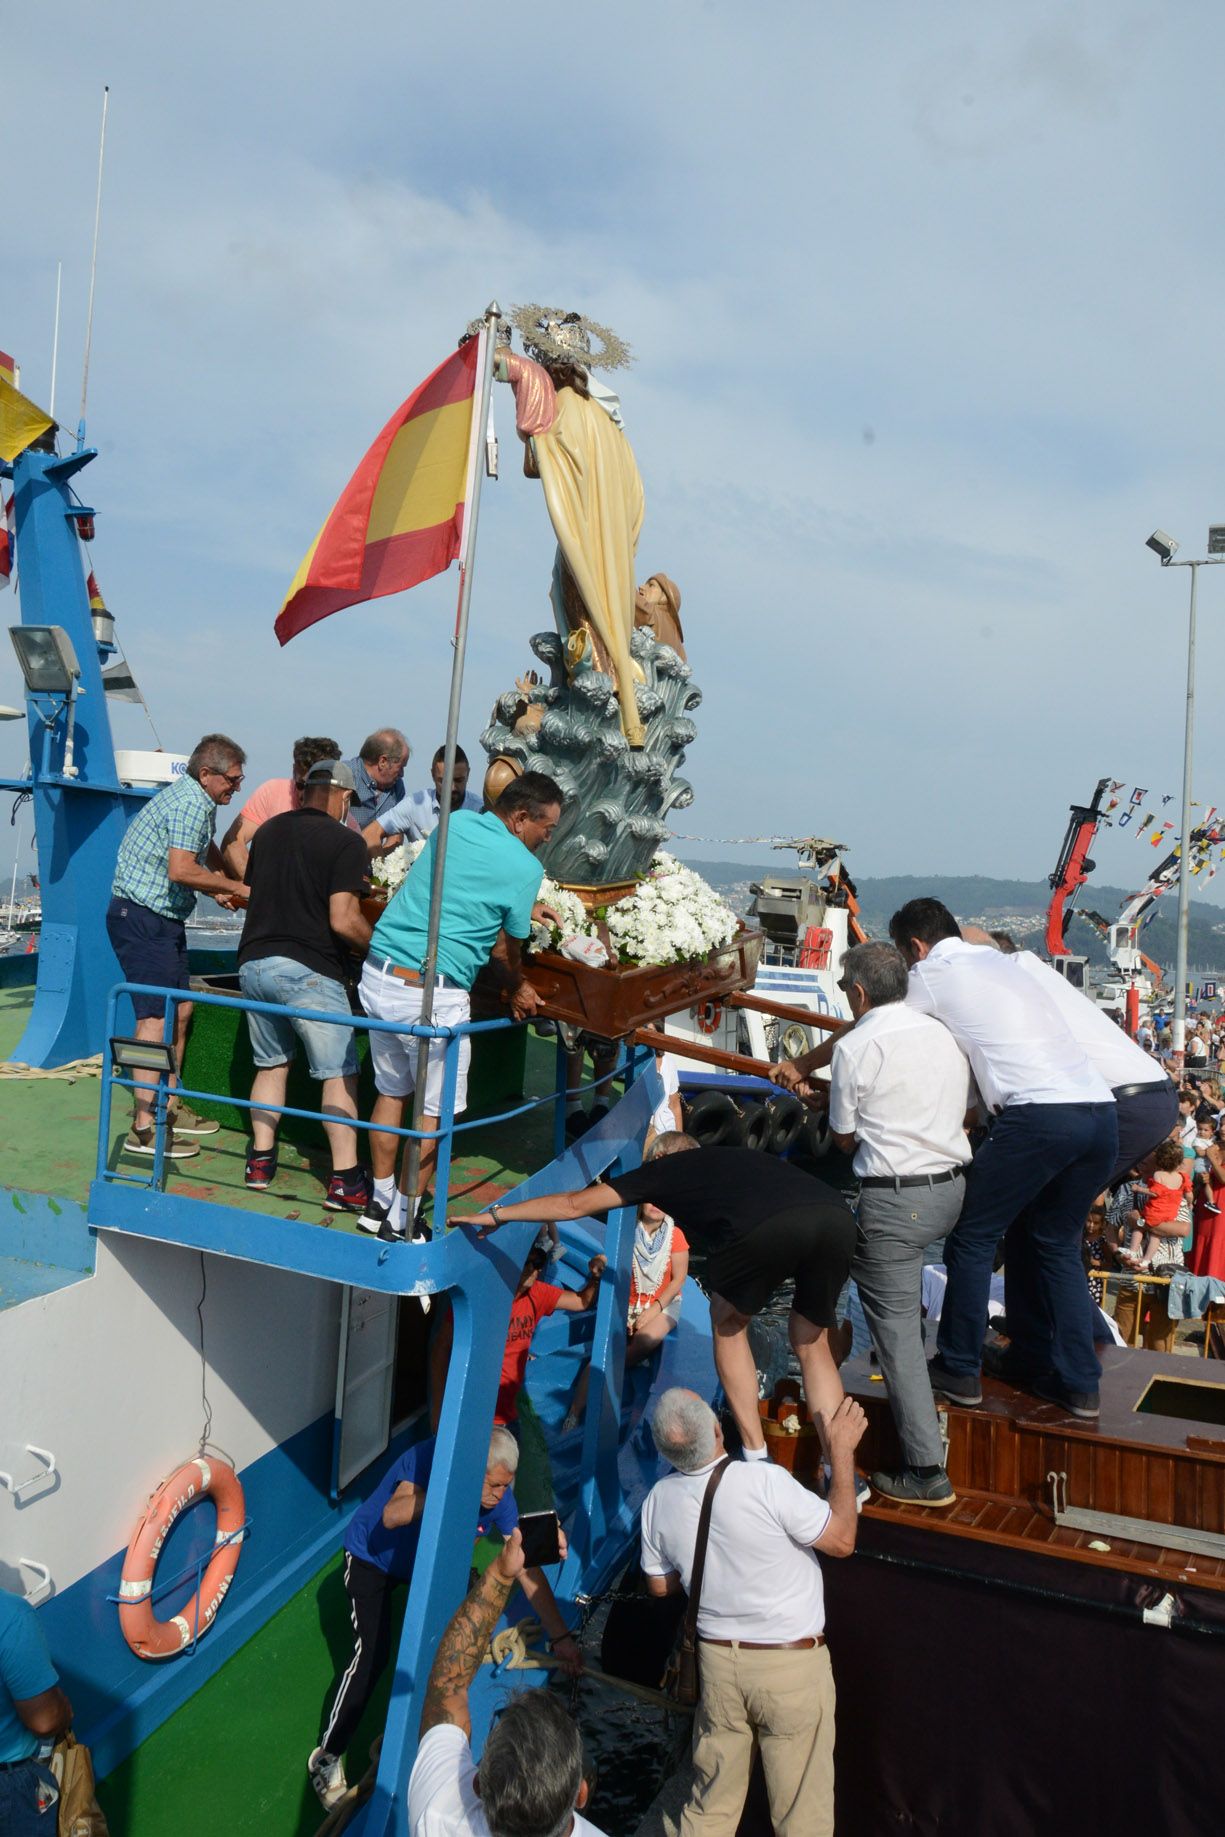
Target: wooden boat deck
x: 1131, y: 1464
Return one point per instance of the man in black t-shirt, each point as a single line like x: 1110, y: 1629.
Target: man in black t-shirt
x: 760, y: 1223
x: 306, y: 872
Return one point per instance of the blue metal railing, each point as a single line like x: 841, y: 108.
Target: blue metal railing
x: 451, y: 1036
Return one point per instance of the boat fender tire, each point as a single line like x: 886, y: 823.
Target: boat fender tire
x: 199, y: 1479
x: 755, y: 1125
x: 714, y: 1120
x: 813, y: 1137
x: 787, y: 1117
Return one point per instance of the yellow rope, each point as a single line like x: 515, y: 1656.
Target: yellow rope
x: 69, y: 1073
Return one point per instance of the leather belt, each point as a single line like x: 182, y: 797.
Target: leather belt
x: 1135, y: 1090
x: 767, y: 1645
x: 416, y: 977
x: 952, y: 1173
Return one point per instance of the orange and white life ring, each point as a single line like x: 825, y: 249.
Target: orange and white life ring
x: 148, y: 1636
x: 709, y: 1014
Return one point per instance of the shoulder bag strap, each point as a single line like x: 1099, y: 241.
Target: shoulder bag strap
x: 690, y: 1632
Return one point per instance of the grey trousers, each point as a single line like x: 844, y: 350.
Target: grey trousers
x: 896, y: 1226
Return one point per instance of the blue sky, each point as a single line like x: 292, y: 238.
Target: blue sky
x: 926, y: 305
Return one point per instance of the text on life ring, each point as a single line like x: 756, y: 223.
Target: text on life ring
x: 148, y: 1636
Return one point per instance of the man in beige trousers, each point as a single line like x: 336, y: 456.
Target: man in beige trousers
x: 765, y: 1672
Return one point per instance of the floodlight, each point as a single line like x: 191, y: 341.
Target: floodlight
x: 142, y: 1056
x: 1216, y: 538
x: 1162, y: 545
x: 10, y: 714
x: 47, y: 659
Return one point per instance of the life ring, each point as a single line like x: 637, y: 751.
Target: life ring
x: 708, y: 1015
x: 148, y: 1636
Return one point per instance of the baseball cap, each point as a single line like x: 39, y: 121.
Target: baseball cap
x: 331, y: 772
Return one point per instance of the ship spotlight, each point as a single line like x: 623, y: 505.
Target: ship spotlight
x: 142, y: 1056
x: 47, y: 659
x: 1163, y: 546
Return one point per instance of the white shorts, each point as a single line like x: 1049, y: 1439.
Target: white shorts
x: 394, y: 1055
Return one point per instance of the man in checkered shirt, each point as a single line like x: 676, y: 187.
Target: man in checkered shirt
x: 166, y: 858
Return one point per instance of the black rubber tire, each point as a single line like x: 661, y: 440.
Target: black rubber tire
x: 714, y: 1120
x: 755, y: 1125
x: 813, y: 1139
x: 787, y: 1117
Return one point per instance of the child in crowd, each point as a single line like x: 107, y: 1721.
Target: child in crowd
x: 657, y: 1278
x: 1164, y: 1210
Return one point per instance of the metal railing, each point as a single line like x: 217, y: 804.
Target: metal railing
x: 451, y: 1036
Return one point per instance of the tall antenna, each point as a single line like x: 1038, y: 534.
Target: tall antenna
x: 55, y: 336
x: 93, y: 268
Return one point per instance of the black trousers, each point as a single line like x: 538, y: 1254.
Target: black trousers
x: 369, y: 1591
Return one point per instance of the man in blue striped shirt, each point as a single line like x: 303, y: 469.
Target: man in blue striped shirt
x: 166, y: 858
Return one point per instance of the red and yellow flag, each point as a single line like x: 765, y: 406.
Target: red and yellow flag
x: 400, y: 518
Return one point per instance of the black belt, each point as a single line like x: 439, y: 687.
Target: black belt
x: 1137, y: 1090
x: 900, y: 1180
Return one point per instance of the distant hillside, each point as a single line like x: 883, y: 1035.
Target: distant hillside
x: 1015, y: 906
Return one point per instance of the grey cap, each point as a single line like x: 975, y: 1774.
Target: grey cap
x: 331, y: 772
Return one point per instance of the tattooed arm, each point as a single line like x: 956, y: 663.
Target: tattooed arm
x: 463, y: 1645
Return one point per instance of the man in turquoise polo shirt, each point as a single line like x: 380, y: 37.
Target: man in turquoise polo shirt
x: 490, y: 882
x: 33, y: 1712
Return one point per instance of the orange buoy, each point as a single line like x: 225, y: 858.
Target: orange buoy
x: 148, y: 1636
x: 709, y: 1015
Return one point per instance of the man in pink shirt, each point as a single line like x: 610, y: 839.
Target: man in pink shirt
x: 273, y: 798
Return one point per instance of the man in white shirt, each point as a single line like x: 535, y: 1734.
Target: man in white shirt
x: 1051, y: 1149
x: 766, y: 1682
x: 530, y: 1778
x: 899, y: 1095
x: 415, y: 817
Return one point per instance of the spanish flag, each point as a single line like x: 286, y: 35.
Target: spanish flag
x: 21, y: 421
x: 400, y: 518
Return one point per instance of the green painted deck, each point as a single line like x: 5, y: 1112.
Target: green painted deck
x: 234, y: 1758
x: 49, y: 1143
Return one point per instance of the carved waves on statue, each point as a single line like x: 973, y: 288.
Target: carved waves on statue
x: 617, y: 797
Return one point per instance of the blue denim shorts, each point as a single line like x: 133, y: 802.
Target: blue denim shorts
x: 150, y: 948
x: 330, y: 1051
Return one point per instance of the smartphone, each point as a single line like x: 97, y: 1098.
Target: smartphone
x: 540, y: 1539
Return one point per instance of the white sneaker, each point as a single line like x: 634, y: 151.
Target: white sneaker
x: 327, y: 1776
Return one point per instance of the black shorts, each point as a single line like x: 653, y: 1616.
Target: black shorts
x: 150, y: 948
x: 811, y: 1246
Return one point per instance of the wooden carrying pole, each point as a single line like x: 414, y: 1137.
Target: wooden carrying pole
x: 829, y: 1022
x: 707, y: 1055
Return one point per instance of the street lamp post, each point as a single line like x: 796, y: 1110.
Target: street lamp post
x: 1164, y: 548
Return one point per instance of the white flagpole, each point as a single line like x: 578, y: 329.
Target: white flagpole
x: 55, y: 337
x: 93, y: 267
x: 472, y: 503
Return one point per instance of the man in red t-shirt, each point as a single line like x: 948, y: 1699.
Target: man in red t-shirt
x: 534, y: 1301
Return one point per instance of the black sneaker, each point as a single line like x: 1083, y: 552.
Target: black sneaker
x: 260, y: 1171
x: 354, y: 1196
x: 909, y: 1488
x: 958, y: 1386
x: 1001, y: 1362
x: 1085, y: 1404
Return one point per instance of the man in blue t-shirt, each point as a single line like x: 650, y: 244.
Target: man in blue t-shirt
x: 33, y: 1710
x: 380, y: 1550
x: 490, y: 882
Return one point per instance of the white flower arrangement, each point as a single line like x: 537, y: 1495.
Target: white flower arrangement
x: 570, y: 911
x: 391, y: 871
x: 672, y: 916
